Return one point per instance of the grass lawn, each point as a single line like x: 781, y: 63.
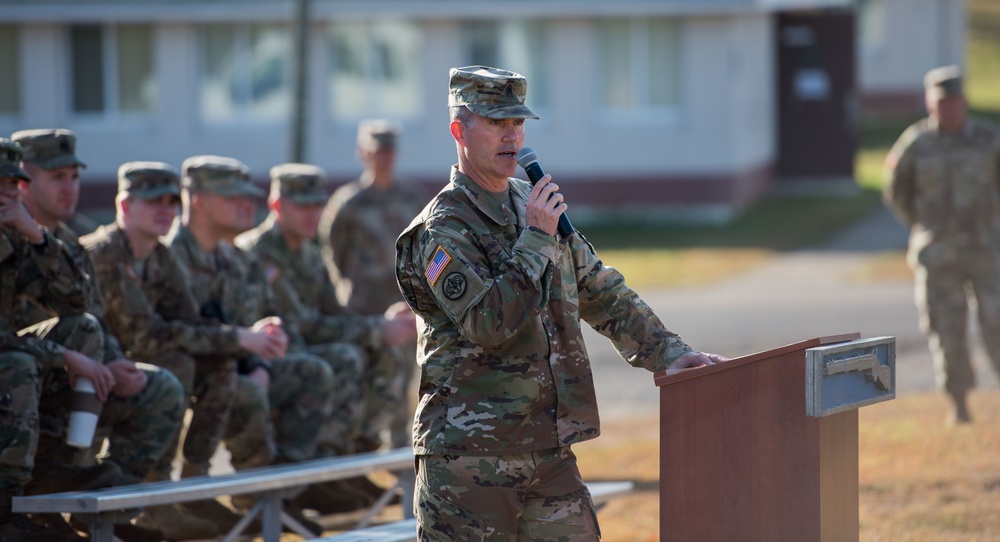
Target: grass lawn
x: 920, y: 480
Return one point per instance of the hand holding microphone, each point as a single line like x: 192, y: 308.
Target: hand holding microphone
x: 545, y: 205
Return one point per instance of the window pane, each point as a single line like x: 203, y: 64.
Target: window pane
x: 524, y: 49
x: 136, y: 90
x: 88, y: 68
x: 482, y: 38
x: 665, y: 58
x: 616, y: 73
x: 396, y: 67
x: 348, y: 70
x: 265, y: 70
x: 10, y: 70
x: 374, y: 69
x: 218, y: 89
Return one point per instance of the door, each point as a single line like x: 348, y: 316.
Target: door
x: 817, y: 96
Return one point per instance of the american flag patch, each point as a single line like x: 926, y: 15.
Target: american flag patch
x: 438, y: 263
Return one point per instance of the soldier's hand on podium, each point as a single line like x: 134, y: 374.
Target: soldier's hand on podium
x: 693, y: 360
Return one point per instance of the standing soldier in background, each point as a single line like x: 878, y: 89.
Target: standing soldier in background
x: 357, y: 237
x: 145, y: 409
x: 943, y: 182
x: 35, y: 265
x: 281, y: 404
x: 149, y: 307
x: 283, y: 244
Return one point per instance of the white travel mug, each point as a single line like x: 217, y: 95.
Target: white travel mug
x: 83, y: 414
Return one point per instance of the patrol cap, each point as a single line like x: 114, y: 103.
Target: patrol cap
x: 49, y: 148
x: 149, y: 180
x: 300, y: 183
x: 219, y: 174
x: 376, y: 134
x: 943, y: 82
x: 489, y: 92
x: 10, y: 160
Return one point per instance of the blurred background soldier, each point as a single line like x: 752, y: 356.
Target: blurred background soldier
x: 357, y: 237
x: 149, y: 307
x: 34, y: 264
x: 943, y: 182
x: 369, y: 394
x: 280, y: 404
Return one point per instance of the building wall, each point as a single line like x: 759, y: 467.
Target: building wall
x: 716, y: 149
x: 899, y: 41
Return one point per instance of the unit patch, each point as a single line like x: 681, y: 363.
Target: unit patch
x: 454, y: 285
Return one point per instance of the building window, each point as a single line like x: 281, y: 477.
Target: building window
x: 640, y: 65
x: 517, y: 45
x: 871, y: 26
x: 10, y: 70
x: 112, y: 69
x: 374, y: 70
x: 245, y: 71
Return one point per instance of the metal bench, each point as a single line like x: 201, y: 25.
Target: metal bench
x: 406, y: 530
x: 270, y: 482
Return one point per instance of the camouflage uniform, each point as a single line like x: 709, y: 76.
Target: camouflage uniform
x: 357, y: 237
x: 149, y: 307
x: 946, y: 188
x: 47, y: 274
x: 140, y: 427
x: 282, y: 422
x: 368, y: 388
x: 505, y: 376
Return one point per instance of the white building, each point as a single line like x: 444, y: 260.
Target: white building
x: 680, y: 108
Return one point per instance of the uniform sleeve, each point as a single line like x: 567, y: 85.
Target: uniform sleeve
x: 333, y: 324
x: 489, y: 303
x: 617, y: 312
x: 336, y: 240
x: 900, y: 178
x: 95, y: 306
x: 147, y: 332
x: 48, y: 275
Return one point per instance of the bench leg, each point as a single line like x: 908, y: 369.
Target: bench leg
x: 271, y: 516
x: 408, y: 481
x: 102, y: 527
x: 241, y: 525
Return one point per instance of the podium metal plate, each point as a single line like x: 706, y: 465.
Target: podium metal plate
x: 850, y: 375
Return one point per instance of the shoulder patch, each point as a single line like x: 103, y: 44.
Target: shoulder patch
x: 454, y: 285
x: 438, y: 263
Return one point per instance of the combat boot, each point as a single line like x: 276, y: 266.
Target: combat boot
x: 959, y: 414
x: 60, y: 477
x: 332, y: 497
x: 176, y: 524
x: 214, y: 511
x: 18, y: 528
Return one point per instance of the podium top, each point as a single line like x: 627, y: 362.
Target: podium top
x: 663, y: 378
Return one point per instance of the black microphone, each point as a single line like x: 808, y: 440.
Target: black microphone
x: 528, y: 160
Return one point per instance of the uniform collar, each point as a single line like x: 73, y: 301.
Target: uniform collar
x: 483, y: 202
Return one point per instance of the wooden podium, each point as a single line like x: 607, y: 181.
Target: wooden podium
x: 765, y: 447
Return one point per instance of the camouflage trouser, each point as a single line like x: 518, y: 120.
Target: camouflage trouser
x: 283, y: 423
x: 347, y: 403
x: 536, y: 497
x: 209, y: 385
x: 138, y: 428
x: 22, y: 387
x: 941, y: 295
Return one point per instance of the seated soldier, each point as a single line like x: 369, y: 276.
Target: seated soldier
x: 36, y: 265
x: 150, y: 309
x: 280, y: 404
x: 370, y: 392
